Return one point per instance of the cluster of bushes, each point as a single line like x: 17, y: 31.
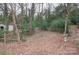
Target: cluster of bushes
x: 52, y: 23
x: 24, y: 26
x: 57, y: 25
x: 75, y: 21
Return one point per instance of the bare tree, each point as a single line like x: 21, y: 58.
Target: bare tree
x: 22, y: 8
x: 49, y: 8
x: 5, y: 9
x: 67, y: 11
x: 39, y: 12
x: 13, y: 11
x: 32, y: 11
x: 26, y: 8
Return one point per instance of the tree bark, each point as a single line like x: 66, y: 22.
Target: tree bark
x: 15, y: 25
x: 13, y: 8
x: 66, y: 23
x: 31, y: 12
x: 5, y: 10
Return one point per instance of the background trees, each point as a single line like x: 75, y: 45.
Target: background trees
x: 26, y: 17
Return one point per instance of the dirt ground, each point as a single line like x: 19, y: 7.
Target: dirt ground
x: 43, y: 43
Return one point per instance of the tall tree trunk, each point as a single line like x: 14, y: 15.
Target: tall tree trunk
x: 32, y: 11
x: 5, y: 10
x: 48, y: 12
x: 22, y: 8
x: 13, y: 8
x: 42, y: 8
x: 66, y: 23
x: 15, y: 25
x: 26, y: 9
x: 30, y: 23
x: 39, y: 13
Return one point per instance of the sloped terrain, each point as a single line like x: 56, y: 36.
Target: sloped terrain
x: 43, y: 43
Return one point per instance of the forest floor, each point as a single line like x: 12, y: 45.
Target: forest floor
x: 42, y: 43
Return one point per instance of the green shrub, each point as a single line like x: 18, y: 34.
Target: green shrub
x: 44, y: 25
x: 58, y: 25
x: 24, y: 26
x: 77, y: 22
x: 35, y: 24
x: 1, y: 32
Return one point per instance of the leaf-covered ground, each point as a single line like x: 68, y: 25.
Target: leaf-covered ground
x: 42, y: 43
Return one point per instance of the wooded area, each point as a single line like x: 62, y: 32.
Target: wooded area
x: 25, y: 24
